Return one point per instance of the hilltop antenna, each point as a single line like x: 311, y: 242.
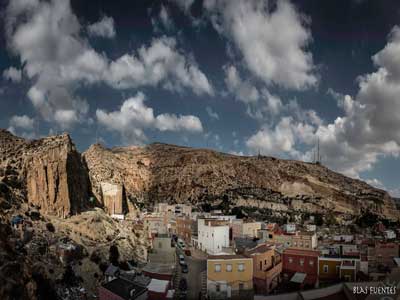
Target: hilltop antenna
x: 318, y: 152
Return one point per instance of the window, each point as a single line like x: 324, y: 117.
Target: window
x: 241, y: 286
x: 326, y: 268
x: 290, y: 260
x: 229, y: 268
x: 337, y: 269
x: 260, y: 265
x: 265, y: 262
x: 240, y: 267
x: 217, y: 288
x: 302, y: 262
x: 311, y: 262
x: 217, y: 268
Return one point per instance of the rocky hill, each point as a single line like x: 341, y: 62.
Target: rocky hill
x: 48, y: 173
x: 160, y: 172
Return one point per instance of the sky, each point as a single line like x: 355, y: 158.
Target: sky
x: 244, y: 77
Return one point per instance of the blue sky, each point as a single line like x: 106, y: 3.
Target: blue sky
x: 237, y: 76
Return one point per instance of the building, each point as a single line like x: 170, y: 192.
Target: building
x: 384, y: 254
x: 158, y: 289
x: 332, y: 269
x: 230, y: 276
x: 289, y: 228
x: 175, y: 209
x: 213, y: 235
x: 121, y: 289
x: 301, y: 240
x: 113, y: 201
x: 184, y: 228
x: 300, y: 267
x: 250, y: 229
x: 163, y: 250
x: 267, y: 268
x: 237, y: 228
x: 155, y: 224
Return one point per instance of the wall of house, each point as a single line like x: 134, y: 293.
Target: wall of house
x: 250, y: 229
x: 212, y: 239
x: 333, y: 268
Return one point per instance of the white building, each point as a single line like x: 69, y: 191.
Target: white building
x: 213, y: 235
x: 390, y: 234
x: 289, y: 228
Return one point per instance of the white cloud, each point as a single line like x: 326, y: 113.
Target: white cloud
x: 23, y: 122
x: 47, y: 36
x: 242, y: 90
x: 272, y: 43
x: 281, y: 139
x: 212, y: 114
x: 159, y: 64
x: 134, y: 117
x: 369, y: 127
x: 13, y: 74
x: 22, y: 126
x: 103, y: 28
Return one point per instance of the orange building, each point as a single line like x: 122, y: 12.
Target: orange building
x: 267, y: 268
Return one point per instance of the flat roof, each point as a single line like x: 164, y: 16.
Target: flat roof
x: 158, y: 286
x: 227, y: 256
x: 123, y: 288
x: 291, y: 251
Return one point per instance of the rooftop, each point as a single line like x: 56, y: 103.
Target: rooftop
x: 291, y: 251
x: 124, y: 288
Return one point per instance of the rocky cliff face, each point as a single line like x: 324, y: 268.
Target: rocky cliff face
x: 48, y: 172
x: 160, y: 172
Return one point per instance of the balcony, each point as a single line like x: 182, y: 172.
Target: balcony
x: 273, y: 271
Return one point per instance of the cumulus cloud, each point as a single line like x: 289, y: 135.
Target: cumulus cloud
x: 272, y: 42
x: 22, y: 126
x: 281, y: 139
x: 134, y: 117
x: 159, y: 64
x: 13, y: 74
x: 23, y: 122
x: 368, y: 129
x: 47, y: 36
x: 103, y: 28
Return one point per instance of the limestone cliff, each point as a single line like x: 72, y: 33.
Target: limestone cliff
x: 48, y: 171
x: 161, y: 172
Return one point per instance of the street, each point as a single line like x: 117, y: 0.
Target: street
x: 193, y: 277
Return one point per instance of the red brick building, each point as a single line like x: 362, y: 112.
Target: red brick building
x: 184, y: 228
x: 300, y: 266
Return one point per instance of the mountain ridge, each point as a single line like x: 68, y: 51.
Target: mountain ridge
x: 162, y: 172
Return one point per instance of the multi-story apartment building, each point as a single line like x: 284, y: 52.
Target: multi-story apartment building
x: 267, y: 268
x: 338, y: 266
x: 301, y: 240
x: 213, y: 235
x: 300, y: 266
x: 230, y: 277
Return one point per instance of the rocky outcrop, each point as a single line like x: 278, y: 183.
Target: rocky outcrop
x: 49, y: 171
x: 161, y: 172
